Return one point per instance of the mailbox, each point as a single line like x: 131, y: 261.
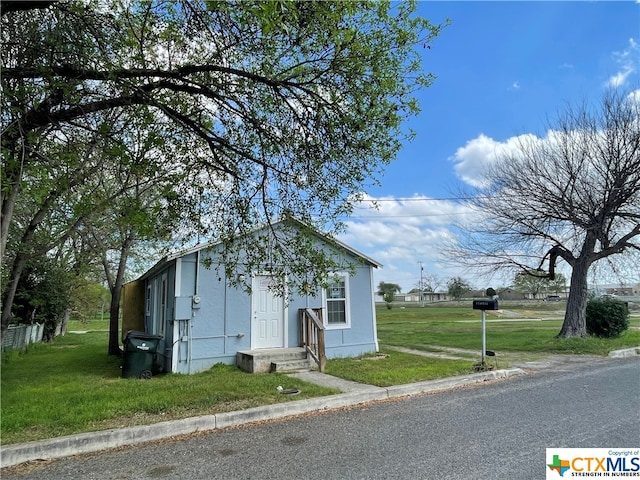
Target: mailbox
x: 485, y: 304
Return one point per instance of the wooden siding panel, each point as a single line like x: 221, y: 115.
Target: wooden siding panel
x: 132, y: 307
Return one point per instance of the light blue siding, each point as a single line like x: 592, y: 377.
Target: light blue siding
x: 357, y: 338
x: 188, y: 275
x: 212, y: 329
x: 219, y: 325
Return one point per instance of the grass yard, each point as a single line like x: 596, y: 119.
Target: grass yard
x: 514, y: 328
x: 73, y: 386
x: 391, y: 367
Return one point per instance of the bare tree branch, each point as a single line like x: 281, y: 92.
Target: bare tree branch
x: 572, y: 195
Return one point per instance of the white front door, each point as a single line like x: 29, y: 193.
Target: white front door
x: 267, y: 324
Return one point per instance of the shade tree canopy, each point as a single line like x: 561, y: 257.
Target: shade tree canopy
x: 265, y: 109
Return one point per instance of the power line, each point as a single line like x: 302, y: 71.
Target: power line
x: 409, y: 216
x: 414, y: 199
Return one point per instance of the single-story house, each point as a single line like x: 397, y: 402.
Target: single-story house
x: 622, y: 291
x: 414, y: 297
x: 204, y: 319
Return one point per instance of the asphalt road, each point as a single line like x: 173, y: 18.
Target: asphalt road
x: 493, y: 431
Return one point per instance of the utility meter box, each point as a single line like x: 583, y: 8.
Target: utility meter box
x: 485, y: 304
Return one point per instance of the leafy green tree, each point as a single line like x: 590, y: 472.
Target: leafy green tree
x: 55, y: 202
x: 388, y: 292
x: 116, y: 247
x: 537, y: 283
x: 260, y: 101
x: 43, y: 295
x: 81, y: 215
x: 534, y: 283
x: 86, y: 298
x: 457, y: 287
x: 134, y: 193
x: 558, y: 284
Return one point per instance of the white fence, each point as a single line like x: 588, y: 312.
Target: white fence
x: 17, y: 337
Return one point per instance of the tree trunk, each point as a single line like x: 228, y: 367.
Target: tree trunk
x: 21, y: 258
x: 114, y: 316
x: 116, y: 291
x: 575, y: 318
x: 7, y: 301
x: 6, y: 215
x: 64, y: 322
x: 13, y: 166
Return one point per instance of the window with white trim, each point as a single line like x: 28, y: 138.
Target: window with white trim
x: 337, y: 301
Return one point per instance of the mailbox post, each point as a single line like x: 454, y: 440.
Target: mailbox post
x: 484, y: 305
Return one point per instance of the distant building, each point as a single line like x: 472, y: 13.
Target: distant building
x: 414, y: 297
x: 617, y: 290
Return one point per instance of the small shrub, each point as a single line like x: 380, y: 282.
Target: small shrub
x: 607, y: 317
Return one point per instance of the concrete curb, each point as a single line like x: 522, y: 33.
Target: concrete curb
x: 453, y: 382
x: 625, y: 352
x: 66, y: 446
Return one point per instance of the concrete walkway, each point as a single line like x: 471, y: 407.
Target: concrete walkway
x: 449, y: 352
x: 353, y: 393
x: 345, y: 386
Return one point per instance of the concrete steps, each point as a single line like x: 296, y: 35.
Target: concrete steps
x: 273, y: 360
x: 302, y: 365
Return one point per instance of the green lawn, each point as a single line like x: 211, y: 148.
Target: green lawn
x: 72, y: 385
x: 515, y: 330
x: 390, y: 367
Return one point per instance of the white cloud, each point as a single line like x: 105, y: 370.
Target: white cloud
x: 635, y: 95
x: 627, y: 60
x: 472, y: 159
x: 401, y: 232
x: 619, y: 78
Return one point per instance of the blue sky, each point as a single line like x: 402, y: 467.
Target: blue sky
x: 502, y: 69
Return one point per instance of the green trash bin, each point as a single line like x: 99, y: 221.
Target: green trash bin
x: 139, y: 354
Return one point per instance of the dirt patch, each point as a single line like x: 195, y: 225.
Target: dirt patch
x: 377, y: 357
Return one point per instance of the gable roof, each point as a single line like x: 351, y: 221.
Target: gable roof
x: 201, y: 246
x: 316, y: 232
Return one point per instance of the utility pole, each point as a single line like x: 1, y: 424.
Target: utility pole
x: 420, y: 285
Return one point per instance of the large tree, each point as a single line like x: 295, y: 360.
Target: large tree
x: 430, y: 284
x: 534, y: 283
x: 273, y: 107
x: 572, y: 196
x: 457, y: 287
